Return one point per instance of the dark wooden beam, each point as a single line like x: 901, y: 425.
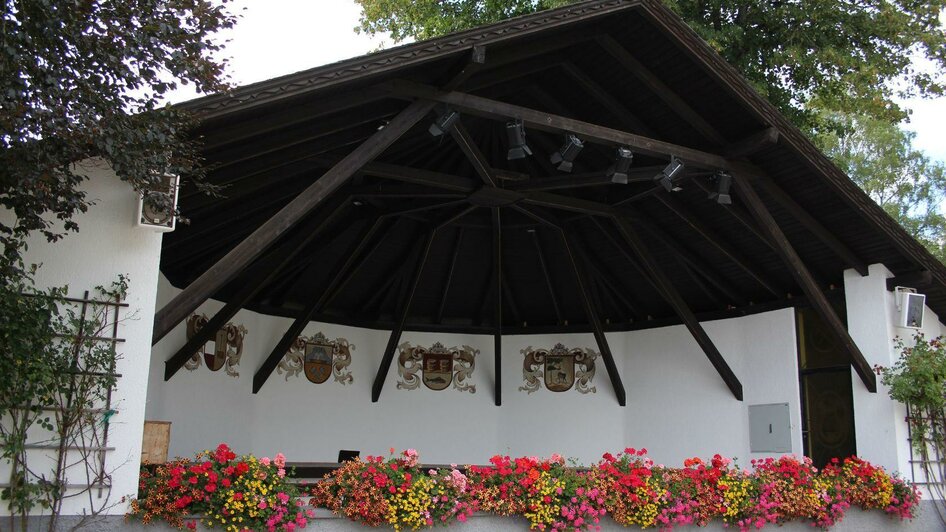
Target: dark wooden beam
x: 395, y: 337
x: 679, y: 305
x: 593, y: 319
x: 343, y: 270
x: 259, y: 276
x: 644, y: 174
x: 608, y: 101
x: 809, y: 222
x: 739, y: 214
x: 421, y: 177
x: 498, y: 307
x: 753, y: 143
x: 488, y: 108
x: 449, y: 279
x: 920, y: 279
x: 802, y: 276
x: 473, y: 154
x: 263, y: 237
x: 545, y: 275
x: 660, y: 89
x: 736, y: 257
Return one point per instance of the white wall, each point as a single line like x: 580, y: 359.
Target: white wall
x: 108, y: 244
x: 677, y: 405
x: 872, y: 314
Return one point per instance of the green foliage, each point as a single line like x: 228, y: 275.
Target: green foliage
x: 81, y: 79
x: 880, y: 158
x: 919, y: 376
x: 55, y: 376
x: 844, y: 54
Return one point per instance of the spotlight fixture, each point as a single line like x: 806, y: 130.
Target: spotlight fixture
x: 565, y: 155
x: 516, y: 132
x: 665, y: 177
x: 723, y: 183
x: 618, y: 170
x: 444, y: 122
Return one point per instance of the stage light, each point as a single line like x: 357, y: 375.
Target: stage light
x: 618, y: 171
x: 565, y: 155
x: 444, y: 122
x: 516, y: 132
x: 666, y: 176
x: 723, y: 184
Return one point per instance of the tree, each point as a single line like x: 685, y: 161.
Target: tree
x: 80, y: 78
x: 845, y: 54
x: 880, y: 158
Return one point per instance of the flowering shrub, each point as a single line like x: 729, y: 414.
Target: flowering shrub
x: 222, y: 489
x: 394, y: 491
x: 246, y: 493
x: 546, y: 492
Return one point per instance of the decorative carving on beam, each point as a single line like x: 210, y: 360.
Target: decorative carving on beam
x: 803, y: 277
x: 560, y: 368
x: 438, y: 366
x: 228, y: 346
x: 319, y: 358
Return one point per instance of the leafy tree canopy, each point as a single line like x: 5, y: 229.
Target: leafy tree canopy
x: 880, y: 158
x: 846, y: 54
x: 81, y: 78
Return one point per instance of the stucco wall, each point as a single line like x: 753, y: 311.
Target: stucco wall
x: 109, y: 243
x: 677, y: 404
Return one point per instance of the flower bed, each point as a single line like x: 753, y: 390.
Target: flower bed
x: 552, y: 496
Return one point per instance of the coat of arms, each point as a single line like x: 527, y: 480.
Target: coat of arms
x: 560, y: 368
x: 318, y: 358
x: 438, y: 367
x: 227, y: 350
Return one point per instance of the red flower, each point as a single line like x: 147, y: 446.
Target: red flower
x: 210, y: 488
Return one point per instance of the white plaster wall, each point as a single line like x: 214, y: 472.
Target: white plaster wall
x: 872, y: 314
x: 677, y: 407
x: 108, y: 244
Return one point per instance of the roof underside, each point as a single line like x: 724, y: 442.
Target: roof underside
x: 617, y: 64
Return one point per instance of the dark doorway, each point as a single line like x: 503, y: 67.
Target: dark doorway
x: 826, y: 392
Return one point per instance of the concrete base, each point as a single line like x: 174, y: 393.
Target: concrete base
x: 854, y: 521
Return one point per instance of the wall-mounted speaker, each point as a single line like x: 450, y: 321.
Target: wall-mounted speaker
x: 157, y: 206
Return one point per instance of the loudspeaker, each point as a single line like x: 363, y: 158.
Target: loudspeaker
x: 156, y: 207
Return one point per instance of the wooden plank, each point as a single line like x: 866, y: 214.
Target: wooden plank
x: 342, y: 271
x: 802, y: 276
x: 449, y: 280
x: 488, y: 108
x: 718, y: 242
x: 263, y: 237
x: 497, y: 307
x: 753, y: 143
x: 643, y: 174
x: 473, y: 154
x: 395, y: 337
x: 660, y: 89
x: 739, y: 214
x: 920, y: 279
x: 673, y: 297
x: 822, y: 233
x: 609, y: 102
x: 155, y: 442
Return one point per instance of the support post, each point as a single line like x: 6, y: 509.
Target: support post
x: 803, y: 277
x: 498, y: 307
x: 263, y: 237
x: 676, y: 301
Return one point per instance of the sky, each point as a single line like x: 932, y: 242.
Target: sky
x: 278, y: 37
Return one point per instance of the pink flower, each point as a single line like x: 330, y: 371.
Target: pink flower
x: 280, y: 460
x: 261, y: 505
x: 281, y: 472
x: 264, y: 460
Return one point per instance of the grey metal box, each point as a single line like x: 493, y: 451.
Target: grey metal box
x: 770, y: 428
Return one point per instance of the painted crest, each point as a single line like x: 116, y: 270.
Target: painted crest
x: 438, y: 366
x: 561, y: 369
x: 318, y: 358
x: 227, y: 346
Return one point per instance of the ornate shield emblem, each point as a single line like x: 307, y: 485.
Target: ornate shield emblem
x: 561, y: 369
x: 227, y: 350
x: 319, y: 358
x: 438, y: 366
x: 318, y: 362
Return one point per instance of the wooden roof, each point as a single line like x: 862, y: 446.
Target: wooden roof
x: 613, y: 72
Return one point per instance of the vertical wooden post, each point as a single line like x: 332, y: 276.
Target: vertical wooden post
x: 498, y: 308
